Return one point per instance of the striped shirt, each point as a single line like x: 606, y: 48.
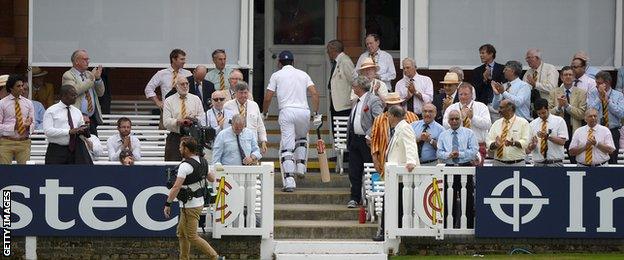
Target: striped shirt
x: 380, y: 136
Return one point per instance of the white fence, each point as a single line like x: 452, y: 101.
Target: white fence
x: 423, y: 201
x: 254, y: 201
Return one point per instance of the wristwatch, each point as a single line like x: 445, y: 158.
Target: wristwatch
x: 167, y: 204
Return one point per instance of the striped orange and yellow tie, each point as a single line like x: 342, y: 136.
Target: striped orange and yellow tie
x: 89, y: 101
x: 499, y: 151
x: 242, y: 110
x: 589, y: 150
x: 221, y: 81
x: 174, y: 78
x: 605, y: 111
x: 220, y: 119
x: 467, y: 122
x: 544, y: 141
x: 183, y: 107
x: 19, y: 122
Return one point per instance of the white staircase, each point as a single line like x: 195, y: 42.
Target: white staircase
x: 329, y: 250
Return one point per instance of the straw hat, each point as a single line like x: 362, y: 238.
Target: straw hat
x: 3, y: 80
x: 450, y: 78
x: 368, y: 63
x: 38, y: 72
x: 393, y: 98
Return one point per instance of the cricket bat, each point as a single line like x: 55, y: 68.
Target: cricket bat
x: 322, y: 156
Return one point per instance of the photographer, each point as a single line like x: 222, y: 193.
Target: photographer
x: 191, y: 173
x: 180, y: 110
x: 63, y: 124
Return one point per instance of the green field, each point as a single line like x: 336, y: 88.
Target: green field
x: 521, y: 256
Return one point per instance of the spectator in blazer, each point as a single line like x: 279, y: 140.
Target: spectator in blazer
x: 340, y: 79
x: 364, y: 110
x: 483, y: 75
x: 89, y: 86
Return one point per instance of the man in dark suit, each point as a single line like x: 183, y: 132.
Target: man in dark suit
x: 483, y: 75
x: 365, y: 108
x: 200, y: 87
x: 444, y: 100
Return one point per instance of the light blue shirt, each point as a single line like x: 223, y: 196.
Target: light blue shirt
x: 615, y: 106
x: 225, y: 148
x: 39, y: 111
x: 427, y: 153
x: 213, y: 76
x: 468, y: 146
x: 520, y: 94
x: 211, y: 119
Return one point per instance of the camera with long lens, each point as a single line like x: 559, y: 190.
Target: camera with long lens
x: 204, y: 135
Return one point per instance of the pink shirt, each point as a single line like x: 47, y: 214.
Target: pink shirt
x: 7, y: 115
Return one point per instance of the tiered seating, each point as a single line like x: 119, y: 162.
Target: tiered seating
x: 145, y: 127
x: 132, y: 107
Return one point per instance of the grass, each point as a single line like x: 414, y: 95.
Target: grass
x: 521, y: 256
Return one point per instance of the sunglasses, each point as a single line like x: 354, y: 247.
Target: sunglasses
x: 218, y: 99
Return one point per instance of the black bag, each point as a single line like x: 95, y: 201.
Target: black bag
x: 185, y: 194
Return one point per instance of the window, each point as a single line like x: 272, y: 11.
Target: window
x: 299, y: 22
x: 383, y: 18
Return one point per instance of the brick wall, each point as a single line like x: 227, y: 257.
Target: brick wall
x: 133, y: 248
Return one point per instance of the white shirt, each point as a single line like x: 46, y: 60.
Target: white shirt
x: 114, y: 144
x: 56, y: 125
x: 96, y: 147
x: 480, y: 122
x: 291, y: 87
x: 211, y: 119
x: 557, y: 127
x: 423, y: 84
x: 357, y: 116
x: 253, y: 117
x: 386, y: 72
x: 585, y: 83
x: 184, y: 170
x: 172, y: 110
x: 602, y: 135
x: 163, y: 79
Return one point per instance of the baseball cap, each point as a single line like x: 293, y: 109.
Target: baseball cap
x: 286, y: 55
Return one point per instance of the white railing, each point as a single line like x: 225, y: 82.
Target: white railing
x: 423, y: 201
x: 255, y: 194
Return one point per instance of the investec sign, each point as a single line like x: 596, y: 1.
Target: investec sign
x: 549, y: 202
x: 87, y: 200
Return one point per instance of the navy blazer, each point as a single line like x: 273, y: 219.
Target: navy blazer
x: 207, y: 90
x: 483, y: 89
x: 437, y: 101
